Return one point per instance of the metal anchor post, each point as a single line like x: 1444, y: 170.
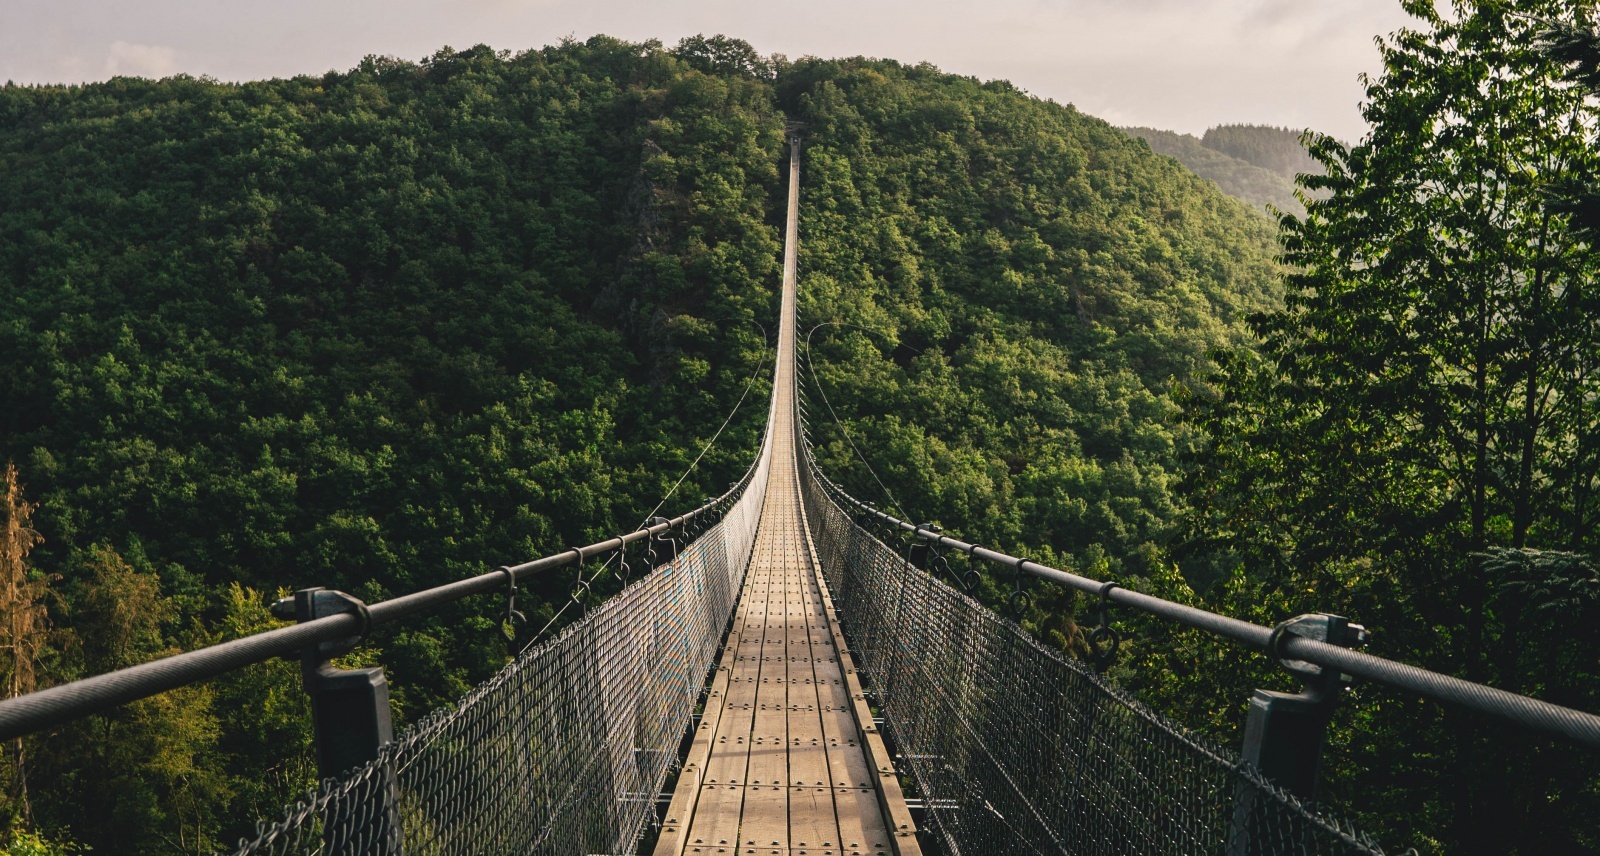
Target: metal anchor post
x: 1285, y: 732
x: 351, y: 720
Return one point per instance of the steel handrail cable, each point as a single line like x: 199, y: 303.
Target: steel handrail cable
x: 1197, y: 744
x: 54, y: 705
x: 812, y: 373
x: 1575, y: 724
x: 760, y: 364
x: 766, y: 351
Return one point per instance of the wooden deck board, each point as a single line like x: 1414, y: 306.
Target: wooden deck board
x: 788, y: 769
x: 862, y: 830
x: 813, y: 827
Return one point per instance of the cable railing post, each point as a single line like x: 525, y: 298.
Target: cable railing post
x: 351, y: 720
x: 1285, y: 732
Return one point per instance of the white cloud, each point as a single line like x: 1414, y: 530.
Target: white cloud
x: 131, y: 60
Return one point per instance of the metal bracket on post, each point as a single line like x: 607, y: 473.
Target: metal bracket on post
x: 664, y: 538
x: 350, y: 712
x: 1285, y: 733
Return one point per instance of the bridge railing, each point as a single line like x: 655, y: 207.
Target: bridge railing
x: 564, y: 751
x: 1017, y: 748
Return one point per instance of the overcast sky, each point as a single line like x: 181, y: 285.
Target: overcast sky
x: 1178, y: 64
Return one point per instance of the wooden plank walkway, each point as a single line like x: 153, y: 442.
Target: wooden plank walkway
x: 786, y: 761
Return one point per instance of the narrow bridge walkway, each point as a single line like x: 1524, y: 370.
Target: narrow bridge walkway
x: 786, y: 759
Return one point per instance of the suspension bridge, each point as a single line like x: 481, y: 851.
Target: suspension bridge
x: 798, y: 674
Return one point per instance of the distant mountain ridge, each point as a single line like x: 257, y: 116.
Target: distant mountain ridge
x: 1254, y: 163
x: 1271, y: 148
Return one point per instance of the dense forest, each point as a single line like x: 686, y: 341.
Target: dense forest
x: 384, y: 328
x: 1277, y: 150
x: 1031, y: 289
x: 374, y: 330
x: 1254, y: 163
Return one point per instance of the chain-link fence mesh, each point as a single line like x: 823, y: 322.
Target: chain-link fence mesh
x: 564, y: 751
x: 1016, y: 748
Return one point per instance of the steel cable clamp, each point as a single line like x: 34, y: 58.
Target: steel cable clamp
x: 350, y: 713
x: 1319, y: 627
x: 1285, y: 732
x: 310, y: 604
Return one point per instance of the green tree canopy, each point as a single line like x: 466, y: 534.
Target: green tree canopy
x: 1422, y: 405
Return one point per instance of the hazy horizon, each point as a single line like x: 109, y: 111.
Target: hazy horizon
x: 1181, y: 65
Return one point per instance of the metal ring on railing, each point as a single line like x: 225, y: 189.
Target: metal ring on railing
x: 579, y: 587
x: 624, y: 570
x: 513, y: 619
x: 1019, y: 600
x: 1104, y: 640
x: 970, y: 579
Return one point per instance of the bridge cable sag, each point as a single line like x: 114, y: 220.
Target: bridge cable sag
x: 760, y: 364
x: 811, y: 372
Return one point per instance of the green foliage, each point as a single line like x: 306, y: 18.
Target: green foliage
x: 1277, y: 150
x: 375, y: 330
x: 263, y: 720
x: 1252, y: 163
x: 386, y: 328
x: 1575, y: 45
x: 150, y: 768
x: 1039, y: 286
x: 25, y: 842
x: 1423, y: 402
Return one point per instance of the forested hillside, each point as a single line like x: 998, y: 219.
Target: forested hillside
x: 1254, y: 163
x: 1240, y: 179
x: 1277, y: 150
x: 374, y: 330
x: 380, y: 329
x: 384, y: 328
x: 1035, y: 287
